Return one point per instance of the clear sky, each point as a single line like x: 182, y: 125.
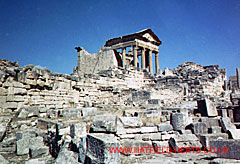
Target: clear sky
x: 45, y: 32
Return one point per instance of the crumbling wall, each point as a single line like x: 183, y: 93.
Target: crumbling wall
x: 93, y: 63
x: 191, y: 81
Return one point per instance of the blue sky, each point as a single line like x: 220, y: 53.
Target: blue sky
x: 45, y: 32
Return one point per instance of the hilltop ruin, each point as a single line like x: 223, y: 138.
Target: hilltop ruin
x: 115, y: 99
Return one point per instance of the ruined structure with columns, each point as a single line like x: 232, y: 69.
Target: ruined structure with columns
x: 135, y: 50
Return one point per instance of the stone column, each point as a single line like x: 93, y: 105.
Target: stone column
x: 157, y: 62
x: 238, y: 78
x: 143, y: 58
x: 150, y: 62
x: 124, y: 57
x: 135, y: 57
x: 225, y: 85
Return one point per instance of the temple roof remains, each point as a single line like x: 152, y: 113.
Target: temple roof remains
x: 146, y: 35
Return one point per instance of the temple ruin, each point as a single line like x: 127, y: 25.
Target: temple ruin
x: 142, y: 44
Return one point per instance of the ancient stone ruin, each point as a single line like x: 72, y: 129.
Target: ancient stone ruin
x: 117, y: 108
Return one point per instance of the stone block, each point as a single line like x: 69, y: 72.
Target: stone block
x: 154, y: 101
x: 24, y: 144
x: 36, y: 151
x: 207, y: 108
x: 35, y: 161
x: 127, y: 136
x: 131, y: 122
x: 78, y: 130
x: 88, y: 111
x: 25, y: 134
x: 133, y: 130
x: 167, y: 136
x: 80, y: 145
x: 98, y: 149
x: 206, y: 138
x: 64, y: 131
x: 149, y: 129
x: 104, y: 123
x: 227, y: 124
x: 164, y: 127
x: 226, y: 148
x: 185, y: 131
x: 223, y: 112
x: 180, y: 143
x: 134, y: 146
x: 160, y: 146
x: 199, y: 128
x: 71, y: 112
x: 234, y: 133
x: 3, y: 160
x: 178, y: 121
x: 152, y: 137
x: 66, y: 156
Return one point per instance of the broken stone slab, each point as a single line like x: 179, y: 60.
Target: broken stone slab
x: 104, y: 123
x: 98, y: 149
x: 178, y: 121
x: 207, y: 108
x: 199, y: 128
x: 229, y: 148
x: 206, y: 138
x: 66, y: 156
x: 78, y: 130
x: 164, y: 127
x: 149, y: 129
x: 131, y: 122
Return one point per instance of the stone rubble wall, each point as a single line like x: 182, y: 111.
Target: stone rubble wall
x: 33, y: 86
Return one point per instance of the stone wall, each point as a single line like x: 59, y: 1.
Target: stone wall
x: 93, y: 63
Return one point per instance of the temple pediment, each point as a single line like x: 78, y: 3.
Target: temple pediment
x: 146, y: 35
